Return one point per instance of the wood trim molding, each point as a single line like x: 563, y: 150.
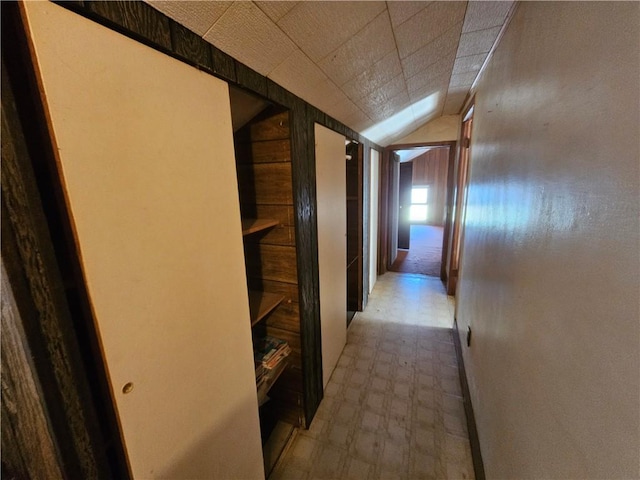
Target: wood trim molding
x: 476, y: 454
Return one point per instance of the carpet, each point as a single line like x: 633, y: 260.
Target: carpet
x: 425, y: 252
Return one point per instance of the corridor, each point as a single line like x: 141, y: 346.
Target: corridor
x: 393, y: 406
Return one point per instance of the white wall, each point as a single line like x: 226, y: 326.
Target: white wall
x: 373, y: 216
x: 550, y: 264
x: 442, y: 129
x: 148, y: 167
x: 331, y: 193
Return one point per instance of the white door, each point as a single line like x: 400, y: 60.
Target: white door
x: 331, y: 193
x: 145, y: 152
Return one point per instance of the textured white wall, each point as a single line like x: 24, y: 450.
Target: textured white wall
x: 550, y: 266
x: 442, y: 129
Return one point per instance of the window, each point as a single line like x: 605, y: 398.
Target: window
x: 419, y: 204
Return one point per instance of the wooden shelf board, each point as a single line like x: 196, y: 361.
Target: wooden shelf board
x: 262, y: 303
x: 253, y: 225
x: 274, y: 374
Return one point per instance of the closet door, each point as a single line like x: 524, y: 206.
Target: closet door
x: 145, y: 155
x: 332, y: 245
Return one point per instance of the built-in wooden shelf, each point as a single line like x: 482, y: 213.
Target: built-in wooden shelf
x: 253, y: 225
x: 261, y: 304
x: 271, y: 379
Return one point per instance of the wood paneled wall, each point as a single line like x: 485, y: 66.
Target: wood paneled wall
x: 431, y: 169
x: 263, y: 155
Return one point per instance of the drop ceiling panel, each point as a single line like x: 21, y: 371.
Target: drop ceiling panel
x: 385, y: 109
x: 435, y: 71
x: 319, y: 28
x: 373, y: 77
x: 247, y: 34
x: 359, y: 61
x: 275, y: 10
x: 196, y: 16
x: 437, y: 85
x: 427, y: 25
x: 400, y: 12
x: 441, y: 47
x: 361, y: 51
x: 463, y: 79
x: 472, y: 63
x: 385, y: 93
x: 483, y: 15
x: 480, y: 41
x: 298, y: 74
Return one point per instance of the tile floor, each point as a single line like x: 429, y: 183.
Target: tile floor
x: 393, y: 406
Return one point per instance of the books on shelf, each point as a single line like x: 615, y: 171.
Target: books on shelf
x: 269, y: 352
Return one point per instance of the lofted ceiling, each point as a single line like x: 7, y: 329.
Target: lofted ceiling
x: 381, y: 68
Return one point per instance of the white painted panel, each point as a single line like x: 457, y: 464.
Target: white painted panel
x: 373, y: 215
x: 332, y: 245
x: 146, y: 155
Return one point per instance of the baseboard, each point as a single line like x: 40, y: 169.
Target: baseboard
x: 476, y: 454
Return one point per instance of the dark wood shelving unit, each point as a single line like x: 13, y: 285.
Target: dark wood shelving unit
x: 254, y: 225
x: 261, y: 304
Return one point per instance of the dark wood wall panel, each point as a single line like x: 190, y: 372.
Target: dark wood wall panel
x: 190, y: 46
x: 136, y: 17
x: 250, y: 79
x: 273, y: 262
x: 268, y: 151
x: 265, y: 184
x: 286, y: 316
x: 273, y: 128
x: 34, y: 274
x: 431, y: 169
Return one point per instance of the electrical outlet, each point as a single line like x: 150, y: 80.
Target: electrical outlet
x: 468, y: 336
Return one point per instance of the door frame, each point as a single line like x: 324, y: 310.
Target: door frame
x: 385, y: 202
x: 459, y: 203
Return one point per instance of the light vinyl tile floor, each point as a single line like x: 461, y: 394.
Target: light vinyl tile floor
x: 393, y: 407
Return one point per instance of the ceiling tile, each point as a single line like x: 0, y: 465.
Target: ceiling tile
x: 385, y: 93
x: 373, y: 77
x: 318, y: 28
x: 434, y: 72
x: 483, y: 15
x: 441, y: 47
x: 325, y: 96
x: 361, y: 51
x: 247, y: 34
x: 438, y: 85
x: 480, y: 41
x: 400, y: 12
x: 463, y: 79
x: 386, y: 109
x: 275, y: 10
x: 298, y: 74
x: 196, y: 16
x: 427, y: 25
x: 472, y: 63
x: 344, y: 109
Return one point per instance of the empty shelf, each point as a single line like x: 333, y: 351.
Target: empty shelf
x: 253, y: 225
x: 261, y: 303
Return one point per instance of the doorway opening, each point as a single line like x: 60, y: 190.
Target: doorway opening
x: 417, y: 207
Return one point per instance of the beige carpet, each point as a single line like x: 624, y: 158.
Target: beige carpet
x: 425, y: 252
